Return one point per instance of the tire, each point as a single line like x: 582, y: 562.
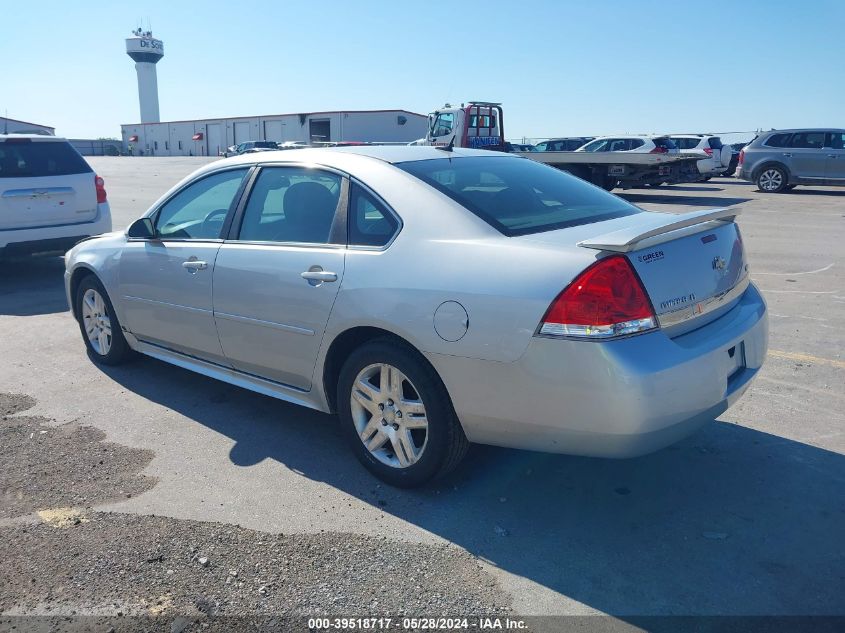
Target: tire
x: 96, y: 315
x: 654, y: 185
x: 435, y: 450
x: 772, y: 179
x: 789, y: 187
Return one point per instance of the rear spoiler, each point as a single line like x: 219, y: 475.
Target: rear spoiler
x: 626, y: 240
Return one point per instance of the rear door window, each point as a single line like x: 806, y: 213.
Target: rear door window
x: 807, y: 140
x: 26, y: 158
x: 291, y: 204
x: 517, y: 196
x: 666, y: 143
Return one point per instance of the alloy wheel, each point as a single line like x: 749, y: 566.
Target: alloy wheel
x: 389, y: 415
x: 96, y: 321
x: 771, y: 180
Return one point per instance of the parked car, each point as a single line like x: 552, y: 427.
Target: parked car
x: 250, y: 146
x: 736, y: 148
x: 434, y: 298
x: 50, y: 198
x: 779, y: 160
x: 647, y: 144
x: 292, y: 145
x: 522, y: 147
x: 719, y: 156
x: 569, y: 144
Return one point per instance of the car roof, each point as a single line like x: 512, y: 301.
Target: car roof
x: 643, y: 136
x: 32, y: 137
x: 387, y: 153
x: 804, y: 129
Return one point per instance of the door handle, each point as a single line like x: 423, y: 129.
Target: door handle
x: 318, y: 275
x: 831, y: 155
x: 194, y: 265
x: 787, y: 154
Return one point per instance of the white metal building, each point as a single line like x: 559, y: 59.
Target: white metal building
x: 209, y: 137
x: 13, y: 126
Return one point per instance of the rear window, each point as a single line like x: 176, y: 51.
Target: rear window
x: 778, y: 140
x: 270, y: 144
x: 31, y: 159
x: 519, y: 196
x: 715, y: 142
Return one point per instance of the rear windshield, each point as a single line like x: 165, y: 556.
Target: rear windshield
x: 27, y: 158
x: 517, y: 196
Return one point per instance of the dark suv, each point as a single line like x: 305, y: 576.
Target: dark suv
x: 779, y: 160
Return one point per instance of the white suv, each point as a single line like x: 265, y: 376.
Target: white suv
x: 719, y: 156
x: 50, y: 198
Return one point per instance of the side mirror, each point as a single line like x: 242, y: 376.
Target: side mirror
x: 142, y: 228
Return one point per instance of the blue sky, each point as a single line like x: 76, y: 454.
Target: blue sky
x: 559, y: 67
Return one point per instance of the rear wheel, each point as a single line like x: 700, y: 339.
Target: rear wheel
x: 772, y: 179
x: 98, y: 323
x: 397, y: 416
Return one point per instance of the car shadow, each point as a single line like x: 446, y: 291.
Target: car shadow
x: 683, y: 200
x: 730, y: 521
x: 32, y: 286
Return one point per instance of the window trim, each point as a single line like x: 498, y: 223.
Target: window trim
x: 337, y: 231
x: 399, y: 223
x: 153, y: 213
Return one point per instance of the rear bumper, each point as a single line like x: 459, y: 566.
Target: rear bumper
x: 618, y: 398
x: 59, y: 238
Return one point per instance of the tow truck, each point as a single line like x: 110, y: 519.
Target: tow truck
x: 480, y: 125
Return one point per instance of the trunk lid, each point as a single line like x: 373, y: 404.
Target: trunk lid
x: 44, y: 183
x: 692, y: 265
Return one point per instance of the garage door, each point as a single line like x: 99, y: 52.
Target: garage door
x: 242, y: 132
x: 214, y: 134
x: 274, y: 131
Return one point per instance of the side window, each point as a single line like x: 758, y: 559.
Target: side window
x: 291, y: 204
x: 807, y: 140
x: 637, y: 142
x: 777, y: 140
x: 370, y: 224
x: 198, y: 211
x: 596, y: 146
x: 836, y: 140
x: 618, y: 145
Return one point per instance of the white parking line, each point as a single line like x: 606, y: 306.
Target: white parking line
x: 806, y: 272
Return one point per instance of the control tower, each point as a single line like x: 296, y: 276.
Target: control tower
x: 145, y: 50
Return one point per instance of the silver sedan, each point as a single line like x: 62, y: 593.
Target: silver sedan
x: 433, y: 298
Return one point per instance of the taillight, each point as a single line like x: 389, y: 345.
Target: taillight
x: 659, y: 150
x: 100, y: 184
x: 708, y: 151
x: 741, y: 156
x: 604, y: 301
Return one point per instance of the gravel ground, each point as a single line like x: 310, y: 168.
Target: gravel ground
x: 43, y: 466
x: 69, y: 560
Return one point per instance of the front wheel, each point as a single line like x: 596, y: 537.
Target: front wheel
x: 772, y: 180
x: 397, y: 416
x: 98, y: 323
